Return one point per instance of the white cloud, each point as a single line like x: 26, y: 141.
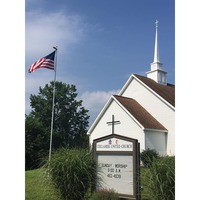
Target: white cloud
x: 94, y: 101
x: 45, y: 30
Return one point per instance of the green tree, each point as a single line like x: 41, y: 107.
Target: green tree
x: 36, y: 142
x: 70, y: 118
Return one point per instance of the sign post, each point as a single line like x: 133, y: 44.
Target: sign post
x: 118, y: 165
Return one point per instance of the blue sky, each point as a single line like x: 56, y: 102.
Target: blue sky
x: 100, y: 44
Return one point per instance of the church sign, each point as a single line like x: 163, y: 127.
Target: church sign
x: 118, y: 165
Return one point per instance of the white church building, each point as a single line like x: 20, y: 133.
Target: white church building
x: 144, y: 110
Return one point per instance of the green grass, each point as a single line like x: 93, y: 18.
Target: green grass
x: 38, y: 187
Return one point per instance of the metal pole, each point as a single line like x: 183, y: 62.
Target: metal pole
x: 52, y: 117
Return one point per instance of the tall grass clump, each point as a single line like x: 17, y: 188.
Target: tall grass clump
x: 148, y: 155
x: 73, y: 172
x: 159, y: 179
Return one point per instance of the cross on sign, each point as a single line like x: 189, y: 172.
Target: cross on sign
x: 113, y: 122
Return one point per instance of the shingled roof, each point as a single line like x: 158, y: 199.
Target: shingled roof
x: 167, y: 92
x: 139, y: 113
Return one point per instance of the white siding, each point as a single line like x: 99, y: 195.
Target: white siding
x: 156, y: 140
x: 127, y: 127
x: 153, y: 76
x: 156, y: 107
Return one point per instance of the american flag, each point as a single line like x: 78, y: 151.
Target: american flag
x: 45, y: 62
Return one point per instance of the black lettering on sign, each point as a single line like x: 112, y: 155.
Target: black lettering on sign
x: 118, y: 170
x: 105, y: 165
x: 109, y: 175
x: 110, y: 169
x: 106, y: 146
x: 127, y: 146
x: 117, y: 176
x: 120, y: 166
x: 115, y: 146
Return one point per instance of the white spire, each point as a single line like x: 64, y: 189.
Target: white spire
x: 156, y: 62
x: 156, y: 50
x: 157, y: 73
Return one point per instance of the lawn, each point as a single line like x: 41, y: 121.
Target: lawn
x: 38, y: 187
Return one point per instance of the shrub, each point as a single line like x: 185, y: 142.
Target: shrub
x: 160, y: 179
x: 73, y: 172
x: 104, y: 195
x: 147, y: 156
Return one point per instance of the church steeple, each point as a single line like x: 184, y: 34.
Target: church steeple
x: 157, y: 73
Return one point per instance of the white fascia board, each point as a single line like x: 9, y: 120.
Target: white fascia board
x: 99, y: 116
x: 130, y: 115
x: 125, y: 85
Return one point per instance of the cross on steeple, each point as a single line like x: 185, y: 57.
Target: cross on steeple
x: 156, y: 23
x: 113, y: 122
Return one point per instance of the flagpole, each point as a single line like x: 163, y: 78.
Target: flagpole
x: 53, y: 104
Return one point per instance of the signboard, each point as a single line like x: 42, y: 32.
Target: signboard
x: 117, y: 173
x: 118, y: 165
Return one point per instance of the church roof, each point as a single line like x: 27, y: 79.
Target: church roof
x: 139, y: 113
x: 167, y: 92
